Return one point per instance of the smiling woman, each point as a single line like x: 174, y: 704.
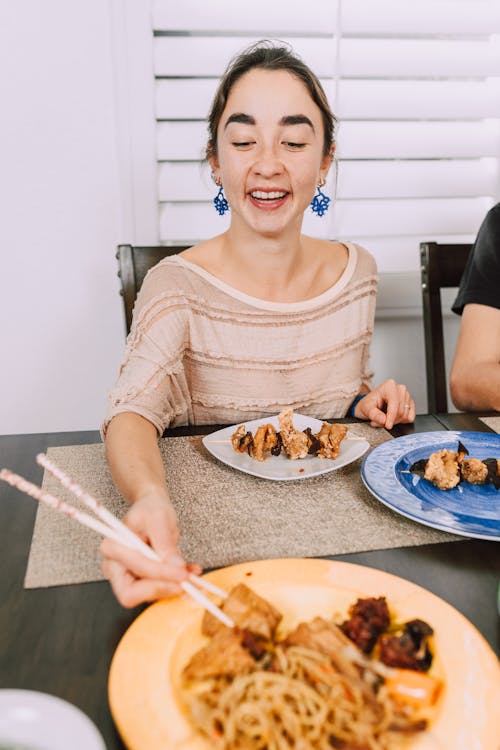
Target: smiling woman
x: 255, y: 320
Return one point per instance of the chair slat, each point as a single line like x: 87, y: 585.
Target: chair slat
x: 442, y: 266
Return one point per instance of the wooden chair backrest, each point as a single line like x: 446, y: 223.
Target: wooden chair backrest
x: 441, y: 266
x: 133, y: 264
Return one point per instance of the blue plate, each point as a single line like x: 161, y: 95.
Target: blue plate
x: 467, y: 510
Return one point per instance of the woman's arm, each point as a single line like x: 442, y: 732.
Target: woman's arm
x: 137, y: 469
x: 134, y: 457
x: 475, y: 373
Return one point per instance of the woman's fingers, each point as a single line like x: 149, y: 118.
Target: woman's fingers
x: 173, y: 568
x: 388, y: 404
x: 131, y: 591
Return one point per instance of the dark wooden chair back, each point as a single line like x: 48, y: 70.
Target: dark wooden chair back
x: 441, y: 266
x: 133, y: 264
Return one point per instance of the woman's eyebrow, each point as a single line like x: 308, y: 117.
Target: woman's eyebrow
x: 240, y: 117
x: 286, y: 120
x: 296, y: 120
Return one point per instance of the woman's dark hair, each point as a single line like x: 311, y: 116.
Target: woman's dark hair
x: 268, y: 56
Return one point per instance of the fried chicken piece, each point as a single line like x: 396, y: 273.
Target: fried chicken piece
x: 241, y: 439
x: 264, y: 441
x: 442, y: 469
x: 248, y: 611
x: 295, y: 442
x: 330, y: 436
x: 223, y: 655
x: 474, y: 471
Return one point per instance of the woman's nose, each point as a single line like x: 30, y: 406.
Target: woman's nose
x: 267, y: 163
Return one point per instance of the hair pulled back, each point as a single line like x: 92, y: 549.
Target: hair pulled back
x: 268, y: 55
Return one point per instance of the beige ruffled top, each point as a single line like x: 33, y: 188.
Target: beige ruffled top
x: 202, y: 352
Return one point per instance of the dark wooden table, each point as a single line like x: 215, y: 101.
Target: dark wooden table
x: 61, y: 640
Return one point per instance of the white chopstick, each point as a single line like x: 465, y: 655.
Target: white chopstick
x: 109, y: 526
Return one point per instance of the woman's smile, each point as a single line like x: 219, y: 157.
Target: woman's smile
x: 268, y: 199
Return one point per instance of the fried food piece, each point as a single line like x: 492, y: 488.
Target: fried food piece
x: 295, y: 442
x: 474, y: 471
x: 242, y: 440
x: 264, y: 441
x: 442, y: 469
x: 330, y: 437
x: 248, y: 611
x: 224, y: 654
x: 321, y: 635
x: 368, y: 618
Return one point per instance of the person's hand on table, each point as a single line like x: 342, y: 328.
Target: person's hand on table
x: 134, y: 578
x: 386, y: 405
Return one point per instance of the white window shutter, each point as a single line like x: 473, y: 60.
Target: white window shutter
x: 416, y: 88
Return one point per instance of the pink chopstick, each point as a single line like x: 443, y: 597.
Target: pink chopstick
x: 109, y: 526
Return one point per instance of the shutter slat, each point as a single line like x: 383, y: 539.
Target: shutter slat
x: 185, y: 141
x: 228, y: 16
x: 432, y: 17
x: 209, y: 56
x: 179, y: 181
x: 385, y: 17
x: 402, y: 254
x: 361, y: 58
x: 388, y: 100
x: 351, y: 218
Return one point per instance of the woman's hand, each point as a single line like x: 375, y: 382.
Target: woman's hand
x: 386, y: 405
x: 135, y: 579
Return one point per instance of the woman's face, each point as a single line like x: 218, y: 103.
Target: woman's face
x: 270, y: 151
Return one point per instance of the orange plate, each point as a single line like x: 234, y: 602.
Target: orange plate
x: 151, y: 654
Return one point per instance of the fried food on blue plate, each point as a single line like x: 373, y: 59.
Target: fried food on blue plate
x: 446, y: 469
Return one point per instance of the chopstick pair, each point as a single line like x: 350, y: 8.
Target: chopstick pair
x: 108, y: 526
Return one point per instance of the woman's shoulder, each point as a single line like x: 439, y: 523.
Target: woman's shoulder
x: 174, y: 273
x: 364, y: 259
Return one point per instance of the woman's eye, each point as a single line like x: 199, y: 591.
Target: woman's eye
x: 292, y: 144
x: 242, y: 144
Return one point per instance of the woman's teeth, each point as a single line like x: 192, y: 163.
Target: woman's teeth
x: 261, y: 196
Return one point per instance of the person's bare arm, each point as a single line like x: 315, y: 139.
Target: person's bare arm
x: 134, y: 457
x: 137, y: 469
x: 475, y: 373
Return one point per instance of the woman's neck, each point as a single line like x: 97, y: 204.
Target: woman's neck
x: 270, y: 266
x: 288, y: 268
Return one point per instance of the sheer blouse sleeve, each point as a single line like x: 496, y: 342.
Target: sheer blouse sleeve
x: 151, y: 379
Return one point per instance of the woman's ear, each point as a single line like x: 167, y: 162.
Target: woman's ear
x: 213, y: 162
x: 326, y: 161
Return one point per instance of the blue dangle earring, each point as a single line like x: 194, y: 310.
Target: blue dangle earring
x: 220, y: 201
x: 320, y: 202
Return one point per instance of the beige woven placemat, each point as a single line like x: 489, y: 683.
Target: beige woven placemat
x: 225, y: 516
x: 493, y: 422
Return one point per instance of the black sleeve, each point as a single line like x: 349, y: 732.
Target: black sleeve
x: 481, y: 278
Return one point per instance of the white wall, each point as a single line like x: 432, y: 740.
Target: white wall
x: 61, y: 329
x: 61, y: 318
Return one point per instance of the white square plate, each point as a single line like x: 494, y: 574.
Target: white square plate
x: 281, y: 468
